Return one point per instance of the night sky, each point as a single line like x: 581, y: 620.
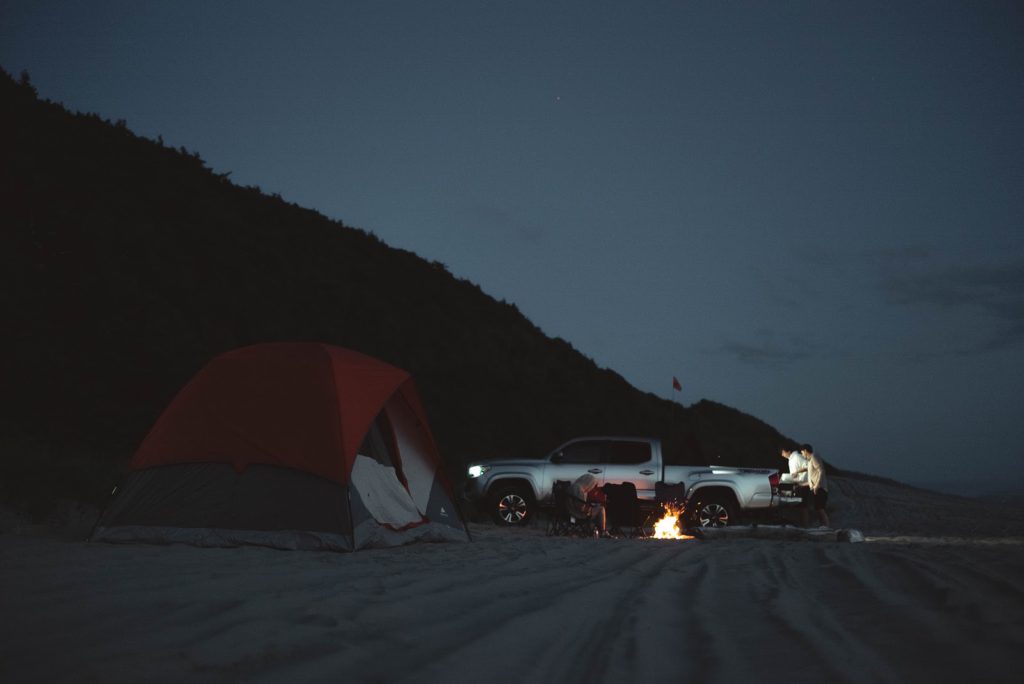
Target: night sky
x: 810, y: 211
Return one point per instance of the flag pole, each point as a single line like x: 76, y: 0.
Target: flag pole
x: 671, y: 420
x: 676, y: 387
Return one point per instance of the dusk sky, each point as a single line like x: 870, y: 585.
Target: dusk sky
x: 810, y: 211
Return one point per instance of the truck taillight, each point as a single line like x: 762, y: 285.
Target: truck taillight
x: 773, y: 479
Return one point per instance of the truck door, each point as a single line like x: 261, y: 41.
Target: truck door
x: 575, y: 458
x: 630, y: 461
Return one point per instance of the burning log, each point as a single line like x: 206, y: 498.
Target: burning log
x: 667, y: 527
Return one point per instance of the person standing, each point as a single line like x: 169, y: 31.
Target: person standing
x: 797, y: 479
x: 797, y: 467
x: 818, y: 483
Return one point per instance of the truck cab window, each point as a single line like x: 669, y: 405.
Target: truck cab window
x: 581, y: 452
x: 628, y: 453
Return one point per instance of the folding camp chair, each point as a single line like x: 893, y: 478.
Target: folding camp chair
x: 564, y: 520
x: 666, y: 494
x: 623, y: 510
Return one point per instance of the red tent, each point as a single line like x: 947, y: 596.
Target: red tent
x: 290, y: 445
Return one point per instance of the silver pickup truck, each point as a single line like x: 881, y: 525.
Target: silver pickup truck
x: 511, y: 491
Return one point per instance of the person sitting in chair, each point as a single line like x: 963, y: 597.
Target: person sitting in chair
x: 581, y: 490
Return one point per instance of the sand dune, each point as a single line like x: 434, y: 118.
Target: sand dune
x: 519, y: 606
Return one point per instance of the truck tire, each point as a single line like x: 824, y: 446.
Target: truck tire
x: 714, y: 510
x: 511, y: 505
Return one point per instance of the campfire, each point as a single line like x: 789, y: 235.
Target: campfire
x: 668, y: 526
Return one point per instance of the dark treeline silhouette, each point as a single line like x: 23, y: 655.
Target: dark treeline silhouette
x: 128, y: 264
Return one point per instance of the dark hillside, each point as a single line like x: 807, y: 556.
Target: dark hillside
x: 127, y: 265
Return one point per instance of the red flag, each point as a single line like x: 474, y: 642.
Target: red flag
x: 675, y: 385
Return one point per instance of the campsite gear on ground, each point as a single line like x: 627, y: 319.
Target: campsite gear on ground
x: 288, y: 445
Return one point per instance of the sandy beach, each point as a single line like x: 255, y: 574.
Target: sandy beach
x: 933, y: 594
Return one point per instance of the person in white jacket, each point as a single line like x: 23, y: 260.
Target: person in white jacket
x: 797, y: 476
x: 797, y: 467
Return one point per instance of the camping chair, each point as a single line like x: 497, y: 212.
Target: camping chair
x: 564, y: 520
x: 669, y: 494
x: 623, y: 509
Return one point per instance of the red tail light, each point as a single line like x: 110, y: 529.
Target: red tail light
x: 773, y: 479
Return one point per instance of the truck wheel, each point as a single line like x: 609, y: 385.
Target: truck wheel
x: 511, y: 505
x: 714, y: 511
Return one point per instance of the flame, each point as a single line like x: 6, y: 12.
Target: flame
x: 668, y: 526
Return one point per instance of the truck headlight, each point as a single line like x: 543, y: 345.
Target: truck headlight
x: 477, y: 470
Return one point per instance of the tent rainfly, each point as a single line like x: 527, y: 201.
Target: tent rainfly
x: 292, y: 446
